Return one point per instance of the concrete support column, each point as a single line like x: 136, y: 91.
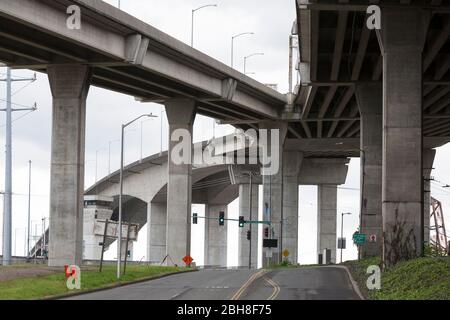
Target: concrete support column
x: 428, y: 159
x: 156, y: 231
x: 215, y: 236
x: 181, y: 115
x: 291, y: 167
x: 327, y: 219
x: 370, y: 102
x: 272, y: 157
x: 244, y: 244
x: 402, y: 38
x: 69, y: 86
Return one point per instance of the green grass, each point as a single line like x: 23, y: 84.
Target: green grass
x: 46, y: 286
x: 418, y: 279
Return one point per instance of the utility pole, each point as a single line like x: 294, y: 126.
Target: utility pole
x: 29, y: 210
x: 7, y: 204
x: 43, y: 237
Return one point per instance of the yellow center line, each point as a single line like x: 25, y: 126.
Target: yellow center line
x: 239, y: 293
x: 276, y: 287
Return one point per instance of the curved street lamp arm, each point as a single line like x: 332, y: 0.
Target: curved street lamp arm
x: 241, y: 34
x: 205, y: 6
x: 254, y: 54
x: 141, y: 116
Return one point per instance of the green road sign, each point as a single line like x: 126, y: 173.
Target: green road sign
x: 359, y: 238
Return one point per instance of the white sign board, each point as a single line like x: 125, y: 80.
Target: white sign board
x: 113, y: 229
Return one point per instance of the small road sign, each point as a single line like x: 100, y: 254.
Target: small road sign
x: 286, y: 253
x: 359, y: 238
x: 373, y: 238
x: 342, y: 243
x: 188, y: 260
x: 270, y: 243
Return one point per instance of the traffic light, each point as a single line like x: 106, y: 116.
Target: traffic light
x: 249, y: 235
x: 241, y: 221
x: 221, y: 218
x: 194, y: 218
x: 266, y: 232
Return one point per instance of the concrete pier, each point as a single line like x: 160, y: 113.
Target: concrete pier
x: 215, y: 236
x: 402, y: 42
x: 156, y: 231
x: 69, y: 86
x: 243, y: 243
x: 291, y: 167
x: 428, y: 159
x: 181, y: 115
x: 327, y: 219
x: 370, y: 103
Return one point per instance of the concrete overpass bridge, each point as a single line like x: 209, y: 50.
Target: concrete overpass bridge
x: 342, y: 105
x: 391, y: 88
x: 145, y: 200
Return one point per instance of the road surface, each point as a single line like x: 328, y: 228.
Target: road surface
x: 306, y: 283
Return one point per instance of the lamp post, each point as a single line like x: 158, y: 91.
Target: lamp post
x: 109, y: 154
x: 192, y: 24
x: 161, y: 134
x: 119, y: 239
x: 248, y: 57
x: 363, y: 174
x: 142, y: 139
x: 342, y: 230
x: 96, y: 164
x: 232, y: 44
x: 250, y: 176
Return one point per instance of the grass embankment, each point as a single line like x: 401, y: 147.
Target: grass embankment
x: 40, y: 287
x: 419, y: 279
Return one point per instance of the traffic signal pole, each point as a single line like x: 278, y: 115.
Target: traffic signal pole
x: 251, y: 218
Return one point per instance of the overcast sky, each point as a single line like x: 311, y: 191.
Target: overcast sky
x: 106, y: 111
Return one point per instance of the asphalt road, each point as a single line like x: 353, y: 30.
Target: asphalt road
x: 307, y: 283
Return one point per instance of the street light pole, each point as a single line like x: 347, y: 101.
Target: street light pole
x: 161, y: 133
x: 251, y: 219
x: 249, y: 56
x: 363, y: 175
x: 342, y: 230
x: 192, y: 20
x: 119, y: 238
x: 232, y: 44
x: 109, y: 154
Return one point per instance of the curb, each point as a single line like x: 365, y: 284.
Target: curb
x: 117, y: 285
x: 353, y: 282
